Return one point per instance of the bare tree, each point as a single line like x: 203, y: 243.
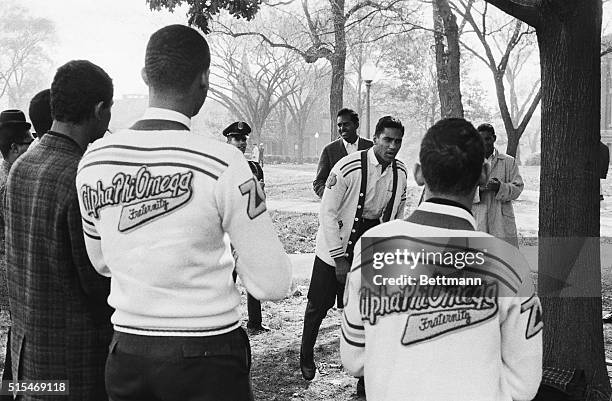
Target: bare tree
x: 569, y: 266
x: 446, y: 35
x: 323, y: 34
x: 303, y: 89
x: 23, y: 40
x: 505, y: 40
x: 248, y: 83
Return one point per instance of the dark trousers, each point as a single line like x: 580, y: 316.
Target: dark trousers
x: 323, y: 290
x: 253, y: 308
x: 144, y: 368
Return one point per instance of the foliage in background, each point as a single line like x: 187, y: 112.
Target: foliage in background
x: 25, y: 42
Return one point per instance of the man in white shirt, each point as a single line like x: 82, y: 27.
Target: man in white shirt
x: 157, y: 201
x: 363, y: 189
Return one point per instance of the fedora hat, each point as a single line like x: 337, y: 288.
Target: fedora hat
x: 13, y: 118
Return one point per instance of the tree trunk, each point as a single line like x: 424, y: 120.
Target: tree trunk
x: 338, y: 62
x: 513, y: 142
x: 569, y: 254
x: 447, y: 59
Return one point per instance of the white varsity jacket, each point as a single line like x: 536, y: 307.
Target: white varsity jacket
x: 429, y: 348
x: 340, y: 202
x: 155, y: 208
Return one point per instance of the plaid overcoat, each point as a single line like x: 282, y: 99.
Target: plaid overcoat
x: 60, y: 319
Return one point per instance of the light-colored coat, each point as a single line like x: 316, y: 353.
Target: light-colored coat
x: 494, y: 213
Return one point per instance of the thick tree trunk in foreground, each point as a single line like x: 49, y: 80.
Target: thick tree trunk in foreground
x: 569, y: 283
x: 569, y: 41
x: 447, y: 59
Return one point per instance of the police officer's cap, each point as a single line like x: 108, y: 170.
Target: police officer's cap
x: 237, y: 128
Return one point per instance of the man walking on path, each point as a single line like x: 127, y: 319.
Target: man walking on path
x: 363, y: 189
x: 348, y: 143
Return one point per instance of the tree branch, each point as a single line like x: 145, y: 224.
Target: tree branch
x: 530, y: 112
x: 528, y: 11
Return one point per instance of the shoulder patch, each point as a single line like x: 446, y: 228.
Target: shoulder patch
x: 256, y: 203
x: 331, y: 180
x: 534, y: 322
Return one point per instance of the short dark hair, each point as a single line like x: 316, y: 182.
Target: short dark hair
x: 40, y: 112
x: 351, y: 113
x: 175, y: 55
x: 486, y: 127
x: 388, y: 122
x: 10, y: 135
x: 77, y: 87
x: 451, y: 156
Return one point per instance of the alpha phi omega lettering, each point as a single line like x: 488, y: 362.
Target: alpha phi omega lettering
x: 432, y: 311
x: 143, y: 197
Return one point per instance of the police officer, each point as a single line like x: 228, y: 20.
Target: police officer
x: 237, y: 134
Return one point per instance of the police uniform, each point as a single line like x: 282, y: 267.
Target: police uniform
x: 156, y: 202
x: 460, y: 344
x: 253, y: 305
x: 358, y: 196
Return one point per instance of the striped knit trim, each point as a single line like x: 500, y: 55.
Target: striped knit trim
x: 178, y: 332
x: 336, y: 254
x: 347, y: 165
x: 163, y: 148
x: 162, y: 164
x: 351, y: 340
x: 161, y: 156
x: 350, y: 171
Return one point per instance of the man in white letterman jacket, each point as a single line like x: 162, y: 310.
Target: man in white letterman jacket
x: 363, y: 189
x: 156, y: 202
x: 479, y: 341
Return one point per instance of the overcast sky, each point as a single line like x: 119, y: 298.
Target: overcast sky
x: 110, y: 33
x: 114, y: 33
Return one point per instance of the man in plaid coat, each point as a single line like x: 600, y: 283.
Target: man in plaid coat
x: 61, y: 321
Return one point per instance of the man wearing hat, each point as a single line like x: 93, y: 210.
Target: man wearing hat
x: 236, y: 134
x: 14, y: 140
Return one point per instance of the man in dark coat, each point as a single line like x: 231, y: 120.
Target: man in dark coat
x: 349, y: 142
x: 15, y: 138
x: 61, y: 321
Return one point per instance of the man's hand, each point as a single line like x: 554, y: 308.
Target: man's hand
x: 493, y: 185
x: 342, y: 268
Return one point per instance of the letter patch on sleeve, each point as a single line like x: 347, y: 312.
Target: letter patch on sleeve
x: 256, y: 204
x: 535, y: 323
